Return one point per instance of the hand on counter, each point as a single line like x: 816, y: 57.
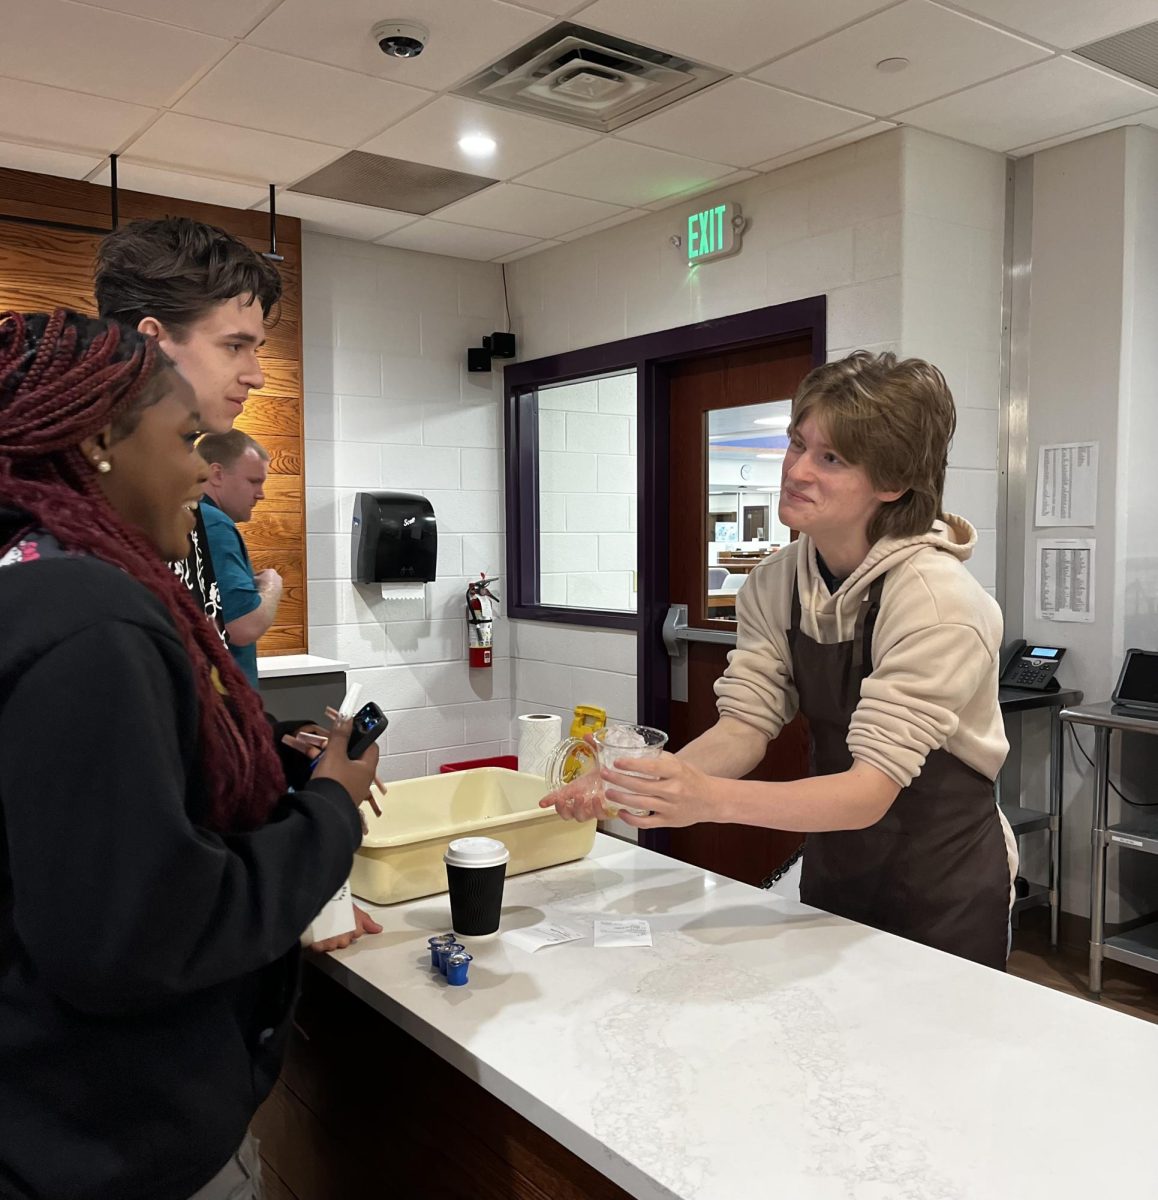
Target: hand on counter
x: 364, y: 923
x: 677, y: 793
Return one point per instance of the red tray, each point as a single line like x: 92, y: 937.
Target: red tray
x: 510, y: 761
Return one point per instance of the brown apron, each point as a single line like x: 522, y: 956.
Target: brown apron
x: 934, y: 867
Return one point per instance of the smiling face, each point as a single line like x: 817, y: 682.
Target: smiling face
x: 156, y: 475
x: 821, y: 494
x: 217, y: 354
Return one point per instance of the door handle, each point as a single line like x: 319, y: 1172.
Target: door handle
x: 676, y: 631
x: 676, y: 635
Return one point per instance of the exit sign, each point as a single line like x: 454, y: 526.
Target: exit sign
x: 712, y: 233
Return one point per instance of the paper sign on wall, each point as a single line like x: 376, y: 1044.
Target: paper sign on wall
x: 1067, y: 484
x: 1065, y: 579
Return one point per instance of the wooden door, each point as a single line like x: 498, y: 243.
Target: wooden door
x: 733, y: 380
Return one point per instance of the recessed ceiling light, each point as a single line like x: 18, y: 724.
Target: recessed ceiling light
x: 477, y: 145
x: 775, y: 422
x: 890, y: 66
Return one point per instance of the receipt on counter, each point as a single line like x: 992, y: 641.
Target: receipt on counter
x: 547, y: 933
x: 622, y: 933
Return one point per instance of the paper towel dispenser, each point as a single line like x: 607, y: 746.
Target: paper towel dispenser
x: 394, y: 538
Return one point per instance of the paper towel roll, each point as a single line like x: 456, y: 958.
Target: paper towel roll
x: 403, y: 591
x: 539, y: 734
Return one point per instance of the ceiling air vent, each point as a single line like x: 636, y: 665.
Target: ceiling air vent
x: 394, y: 183
x: 1133, y: 53
x: 588, y: 79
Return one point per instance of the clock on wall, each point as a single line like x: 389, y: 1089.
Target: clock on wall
x: 745, y: 471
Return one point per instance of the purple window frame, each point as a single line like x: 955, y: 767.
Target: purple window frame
x: 651, y: 356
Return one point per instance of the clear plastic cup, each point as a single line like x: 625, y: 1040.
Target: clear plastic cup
x: 577, y: 759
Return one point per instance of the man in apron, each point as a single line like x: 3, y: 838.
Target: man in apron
x: 871, y: 626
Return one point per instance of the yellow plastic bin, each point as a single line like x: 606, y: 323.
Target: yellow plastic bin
x: 401, y: 854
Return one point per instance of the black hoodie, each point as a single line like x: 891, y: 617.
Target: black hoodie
x: 147, y: 965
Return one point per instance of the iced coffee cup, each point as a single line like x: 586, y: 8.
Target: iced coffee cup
x: 575, y: 759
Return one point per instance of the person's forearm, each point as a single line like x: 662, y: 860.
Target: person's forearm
x: 244, y: 631
x: 852, y: 799
x: 729, y: 750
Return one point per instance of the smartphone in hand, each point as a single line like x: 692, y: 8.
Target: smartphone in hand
x: 369, y: 725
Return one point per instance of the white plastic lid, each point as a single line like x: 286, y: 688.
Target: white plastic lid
x: 476, y: 852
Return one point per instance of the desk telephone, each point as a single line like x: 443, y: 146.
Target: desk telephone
x: 1033, y: 667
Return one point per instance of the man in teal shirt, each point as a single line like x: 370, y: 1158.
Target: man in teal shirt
x: 238, y: 467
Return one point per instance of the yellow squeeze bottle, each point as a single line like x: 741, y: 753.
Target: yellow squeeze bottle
x: 587, y: 719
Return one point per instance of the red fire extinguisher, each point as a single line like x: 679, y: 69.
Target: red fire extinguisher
x: 480, y: 608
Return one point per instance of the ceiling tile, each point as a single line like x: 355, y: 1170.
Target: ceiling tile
x: 138, y: 178
x: 537, y: 248
x: 457, y: 241
x: 556, y: 8
x: 1148, y: 118
x: 1064, y: 23
x: 946, y: 52
x: 464, y: 36
x: 735, y: 34
x: 225, y: 18
x: 54, y: 117
x: 431, y: 136
x: 844, y: 139
x: 193, y: 145
x: 627, y: 215
x: 741, y: 122
x: 517, y: 209
x: 337, y: 218
x: 1039, y: 102
x: 715, y: 185
x: 623, y: 173
x: 264, y: 90
x: 105, y: 53
x: 14, y: 157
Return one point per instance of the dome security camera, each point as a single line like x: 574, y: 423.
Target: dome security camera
x: 401, y: 39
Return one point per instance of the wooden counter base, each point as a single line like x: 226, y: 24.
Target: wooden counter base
x: 364, y: 1110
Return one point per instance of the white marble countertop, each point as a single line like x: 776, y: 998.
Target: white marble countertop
x: 278, y: 666
x: 763, y: 1049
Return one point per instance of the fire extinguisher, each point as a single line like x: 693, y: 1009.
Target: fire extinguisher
x: 480, y: 608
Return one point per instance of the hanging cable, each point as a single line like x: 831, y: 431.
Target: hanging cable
x: 1113, y: 787
x: 114, y: 198
x: 272, y: 253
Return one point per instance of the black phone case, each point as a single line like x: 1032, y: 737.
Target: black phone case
x: 359, y: 741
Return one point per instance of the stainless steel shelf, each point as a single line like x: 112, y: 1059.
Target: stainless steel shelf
x: 1138, y: 948
x: 1026, y: 820
x: 1036, y: 897
x: 1139, y: 831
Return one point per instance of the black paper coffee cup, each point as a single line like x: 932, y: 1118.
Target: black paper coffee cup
x: 476, y: 869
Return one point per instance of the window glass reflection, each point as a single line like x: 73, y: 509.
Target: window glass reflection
x: 587, y: 494
x: 745, y: 449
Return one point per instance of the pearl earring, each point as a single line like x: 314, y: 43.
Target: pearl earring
x: 104, y: 466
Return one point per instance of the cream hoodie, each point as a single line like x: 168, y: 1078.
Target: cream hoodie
x: 935, y: 651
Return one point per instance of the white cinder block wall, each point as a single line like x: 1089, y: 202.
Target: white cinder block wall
x: 1093, y: 371
x: 870, y: 226
x: 952, y: 248
x: 390, y: 406
x: 587, y: 493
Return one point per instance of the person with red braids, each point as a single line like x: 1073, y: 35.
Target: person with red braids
x: 155, y: 876
x: 206, y: 297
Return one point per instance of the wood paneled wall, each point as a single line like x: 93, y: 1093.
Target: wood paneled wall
x: 43, y: 267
